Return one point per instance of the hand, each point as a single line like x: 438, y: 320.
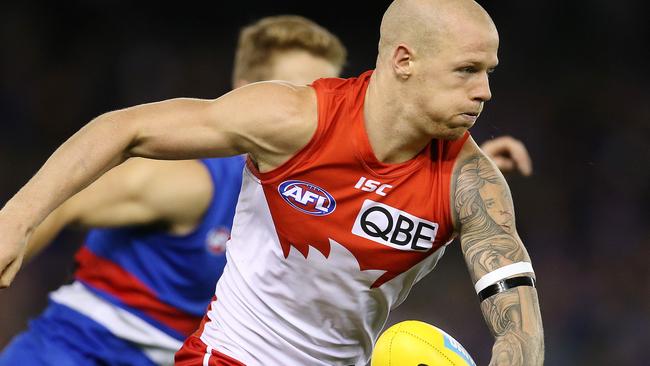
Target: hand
x: 13, y: 239
x: 509, y: 154
x: 507, y: 353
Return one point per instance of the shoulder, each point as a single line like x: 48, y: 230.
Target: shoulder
x: 277, y: 99
x: 287, y: 105
x: 286, y: 118
x: 473, y: 173
x: 470, y: 155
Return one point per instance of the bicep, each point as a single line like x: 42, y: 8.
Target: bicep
x: 484, y: 214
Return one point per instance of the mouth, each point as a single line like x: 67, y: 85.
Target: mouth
x: 470, y: 116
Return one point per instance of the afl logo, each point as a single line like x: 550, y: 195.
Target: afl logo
x: 306, y: 197
x: 216, y: 240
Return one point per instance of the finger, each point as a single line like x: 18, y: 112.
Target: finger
x: 10, y: 272
x: 521, y: 157
x: 505, y: 165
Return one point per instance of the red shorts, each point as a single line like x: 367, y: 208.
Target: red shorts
x: 195, y: 353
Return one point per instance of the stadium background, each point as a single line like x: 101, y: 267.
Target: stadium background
x: 572, y: 84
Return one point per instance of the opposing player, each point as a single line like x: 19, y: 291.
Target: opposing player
x: 351, y: 192
x: 144, y: 281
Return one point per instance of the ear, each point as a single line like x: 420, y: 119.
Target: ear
x: 402, y: 61
x: 240, y: 82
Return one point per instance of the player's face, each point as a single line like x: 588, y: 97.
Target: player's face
x: 453, y: 79
x: 494, y: 196
x: 300, y: 67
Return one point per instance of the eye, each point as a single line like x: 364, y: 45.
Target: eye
x: 489, y: 203
x: 468, y: 69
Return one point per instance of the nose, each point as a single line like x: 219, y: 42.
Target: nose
x: 481, y: 91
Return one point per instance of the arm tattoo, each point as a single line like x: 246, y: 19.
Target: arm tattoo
x: 483, y: 208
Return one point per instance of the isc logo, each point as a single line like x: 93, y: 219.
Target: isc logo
x: 389, y: 226
x: 306, y: 197
x: 369, y: 185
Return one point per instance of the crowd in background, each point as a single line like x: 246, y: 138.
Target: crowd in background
x: 573, y: 85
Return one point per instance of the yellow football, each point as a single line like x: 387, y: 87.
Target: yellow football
x: 415, y: 343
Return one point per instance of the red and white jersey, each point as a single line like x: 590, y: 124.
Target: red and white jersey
x: 324, y: 246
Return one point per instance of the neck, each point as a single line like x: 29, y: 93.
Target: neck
x: 393, y: 136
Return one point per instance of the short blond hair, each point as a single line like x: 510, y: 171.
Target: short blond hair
x: 260, y: 40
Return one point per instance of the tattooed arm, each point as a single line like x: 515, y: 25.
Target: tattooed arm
x: 484, y: 216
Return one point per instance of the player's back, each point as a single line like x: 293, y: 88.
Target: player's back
x: 326, y: 244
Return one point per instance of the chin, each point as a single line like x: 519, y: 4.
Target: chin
x: 449, y: 130
x: 452, y: 133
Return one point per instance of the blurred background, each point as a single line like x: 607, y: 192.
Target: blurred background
x: 572, y: 84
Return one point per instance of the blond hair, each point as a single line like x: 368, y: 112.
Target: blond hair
x: 260, y: 40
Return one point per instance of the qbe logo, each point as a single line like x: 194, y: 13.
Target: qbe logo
x: 306, y: 197
x: 389, y: 226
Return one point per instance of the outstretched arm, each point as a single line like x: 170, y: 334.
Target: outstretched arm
x: 484, y: 215
x: 174, y: 194
x: 270, y: 121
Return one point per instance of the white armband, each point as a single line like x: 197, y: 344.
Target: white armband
x: 502, y: 273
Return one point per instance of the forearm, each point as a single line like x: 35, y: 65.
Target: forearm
x: 514, y: 319
x: 45, y: 233
x: 97, y: 147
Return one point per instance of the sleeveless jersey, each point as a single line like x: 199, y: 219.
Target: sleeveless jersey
x: 149, y: 287
x: 324, y: 246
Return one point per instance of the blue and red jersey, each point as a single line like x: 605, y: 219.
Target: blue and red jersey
x: 144, y: 287
x: 165, y: 279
